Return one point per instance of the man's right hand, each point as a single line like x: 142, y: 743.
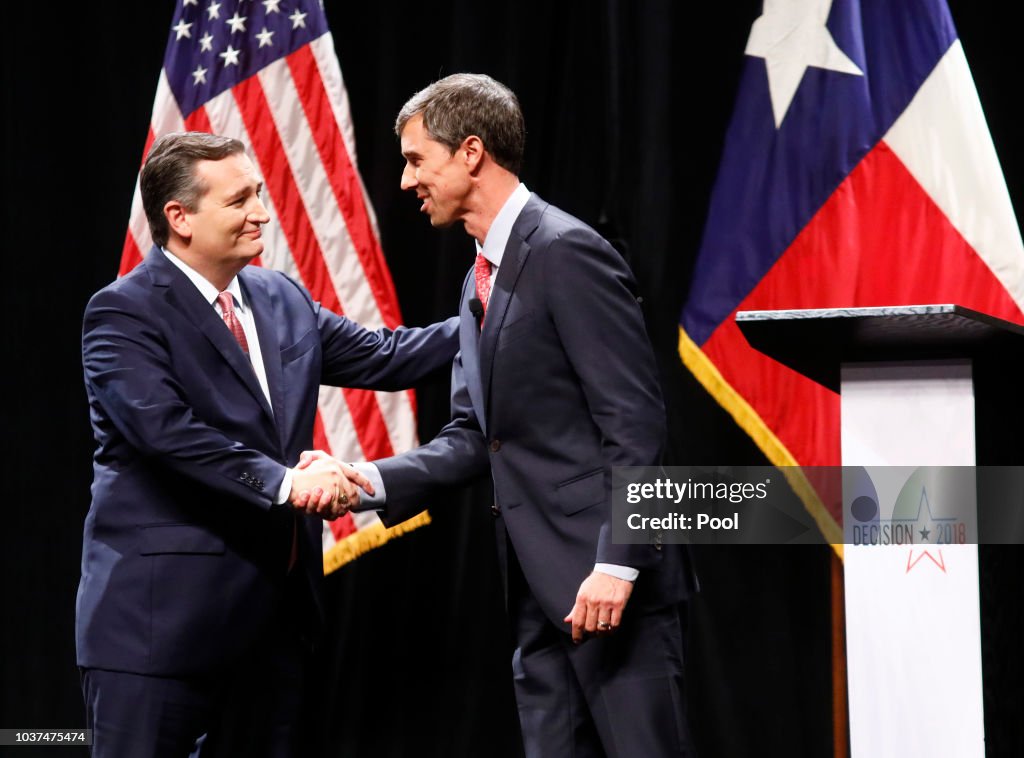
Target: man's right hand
x: 324, y: 487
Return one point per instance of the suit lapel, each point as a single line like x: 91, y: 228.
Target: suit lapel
x: 517, y: 250
x: 469, y: 344
x: 184, y: 296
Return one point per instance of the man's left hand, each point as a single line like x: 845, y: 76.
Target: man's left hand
x: 599, y: 605
x: 327, y: 503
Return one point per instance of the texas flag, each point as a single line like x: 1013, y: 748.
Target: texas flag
x: 858, y: 171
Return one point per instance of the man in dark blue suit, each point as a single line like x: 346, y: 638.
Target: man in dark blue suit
x: 554, y: 385
x: 198, y: 598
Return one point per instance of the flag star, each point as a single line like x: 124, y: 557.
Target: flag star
x: 271, y: 6
x: 237, y: 23
x: 206, y: 42
x: 298, y: 19
x: 199, y: 76
x: 182, y: 30
x: 214, y: 11
x: 265, y: 38
x: 230, y: 56
x: 187, y: 3
x: 791, y: 37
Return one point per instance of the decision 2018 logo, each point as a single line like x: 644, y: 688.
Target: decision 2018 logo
x: 898, y: 505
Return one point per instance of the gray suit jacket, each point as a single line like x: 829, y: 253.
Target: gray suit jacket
x: 559, y: 386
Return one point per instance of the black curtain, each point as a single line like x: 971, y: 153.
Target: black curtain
x: 626, y: 106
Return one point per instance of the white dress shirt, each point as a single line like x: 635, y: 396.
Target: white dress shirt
x: 245, y: 318
x: 494, y: 244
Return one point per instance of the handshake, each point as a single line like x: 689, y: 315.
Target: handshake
x: 325, y: 487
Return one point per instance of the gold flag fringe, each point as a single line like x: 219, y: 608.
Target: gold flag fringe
x: 367, y: 538
x: 748, y: 419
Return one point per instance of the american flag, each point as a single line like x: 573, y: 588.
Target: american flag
x: 266, y: 73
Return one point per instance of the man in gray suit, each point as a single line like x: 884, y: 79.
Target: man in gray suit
x: 554, y: 385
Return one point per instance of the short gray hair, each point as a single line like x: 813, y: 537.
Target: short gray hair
x: 462, y: 105
x: 169, y: 173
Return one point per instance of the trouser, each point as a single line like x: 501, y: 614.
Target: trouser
x: 250, y: 709
x: 615, y: 696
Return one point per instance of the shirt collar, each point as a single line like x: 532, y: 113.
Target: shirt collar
x: 207, y: 290
x: 501, y: 228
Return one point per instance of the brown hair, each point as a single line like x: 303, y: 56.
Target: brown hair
x: 169, y: 174
x: 462, y: 105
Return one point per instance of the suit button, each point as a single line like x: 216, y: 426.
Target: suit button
x: 495, y: 446
x: 496, y: 509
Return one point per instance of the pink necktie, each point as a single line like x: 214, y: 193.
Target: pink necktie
x: 227, y: 308
x: 482, y: 272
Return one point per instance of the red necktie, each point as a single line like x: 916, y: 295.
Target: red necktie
x: 482, y: 271
x: 227, y: 309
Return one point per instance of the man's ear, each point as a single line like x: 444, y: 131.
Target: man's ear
x: 473, y: 148
x: 177, y: 219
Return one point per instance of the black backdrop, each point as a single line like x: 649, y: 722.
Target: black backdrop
x: 626, y: 106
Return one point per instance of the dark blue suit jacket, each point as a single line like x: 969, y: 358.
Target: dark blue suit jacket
x: 184, y: 556
x: 558, y: 387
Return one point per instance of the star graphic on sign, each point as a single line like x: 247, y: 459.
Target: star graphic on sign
x: 912, y: 562
x: 230, y: 56
x: 298, y: 19
x: 237, y: 23
x: 206, y: 42
x: 199, y: 76
x: 265, y: 38
x: 791, y: 36
x: 214, y: 11
x: 182, y: 30
x: 271, y: 6
x: 926, y: 534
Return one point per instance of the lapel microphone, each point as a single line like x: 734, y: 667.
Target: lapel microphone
x: 477, y: 309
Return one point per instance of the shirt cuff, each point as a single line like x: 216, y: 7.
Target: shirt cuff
x: 286, y: 488
x: 374, y: 502
x: 619, y: 572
